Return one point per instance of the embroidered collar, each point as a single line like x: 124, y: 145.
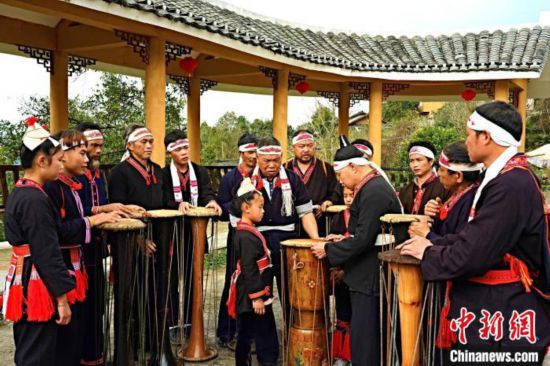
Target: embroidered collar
x: 69, y: 182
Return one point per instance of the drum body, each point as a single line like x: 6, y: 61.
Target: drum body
x: 197, y: 350
x: 307, y: 279
x: 407, y: 275
x: 123, y: 237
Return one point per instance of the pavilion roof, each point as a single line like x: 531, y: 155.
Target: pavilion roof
x: 520, y: 50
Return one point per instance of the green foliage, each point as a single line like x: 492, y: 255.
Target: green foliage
x: 538, y: 124
x: 117, y: 102
x: 393, y: 111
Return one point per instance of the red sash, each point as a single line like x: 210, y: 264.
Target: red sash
x: 38, y: 303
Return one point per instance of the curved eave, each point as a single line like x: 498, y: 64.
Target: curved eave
x: 215, y: 38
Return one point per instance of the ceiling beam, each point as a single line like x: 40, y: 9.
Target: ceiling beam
x: 15, y: 31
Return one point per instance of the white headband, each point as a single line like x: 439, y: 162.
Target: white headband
x: 72, y: 145
x: 302, y: 137
x: 248, y: 147
x: 458, y: 167
x: 270, y: 150
x: 422, y: 151
x: 182, y: 143
x: 92, y: 135
x: 498, y: 134
x: 339, y: 165
x: 138, y: 134
x: 364, y: 149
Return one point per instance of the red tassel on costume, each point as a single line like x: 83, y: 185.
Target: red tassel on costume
x: 39, y: 302
x: 346, y: 348
x: 445, y: 337
x: 14, y: 312
x: 337, y: 344
x: 71, y: 295
x: 81, y: 285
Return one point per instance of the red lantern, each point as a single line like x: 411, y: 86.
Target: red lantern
x: 302, y: 87
x: 468, y: 95
x: 31, y: 121
x: 189, y: 64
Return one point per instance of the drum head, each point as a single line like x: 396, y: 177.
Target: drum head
x: 123, y: 225
x: 394, y: 256
x: 158, y: 214
x: 201, y: 212
x: 403, y: 218
x: 301, y: 243
x: 336, y: 208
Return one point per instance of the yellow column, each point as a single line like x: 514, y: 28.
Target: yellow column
x: 375, y: 120
x: 343, y: 111
x: 502, y: 90
x: 280, y: 110
x: 155, y: 98
x: 59, y: 92
x: 194, y: 118
x: 522, y: 106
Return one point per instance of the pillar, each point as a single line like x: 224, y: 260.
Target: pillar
x: 59, y: 92
x: 343, y: 111
x: 375, y: 120
x: 155, y: 98
x: 502, y: 90
x: 280, y: 110
x: 194, y: 118
x: 522, y: 108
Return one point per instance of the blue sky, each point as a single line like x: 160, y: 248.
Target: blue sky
x: 20, y: 77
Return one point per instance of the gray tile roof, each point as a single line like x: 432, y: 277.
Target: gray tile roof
x: 525, y: 49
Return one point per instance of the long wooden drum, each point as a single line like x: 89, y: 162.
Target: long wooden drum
x: 307, y: 279
x: 165, y: 225
x: 399, y: 224
x: 196, y: 349
x: 123, y: 236
x: 408, y: 277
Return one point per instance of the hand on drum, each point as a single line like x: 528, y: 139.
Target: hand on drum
x: 432, y: 207
x: 414, y: 247
x: 421, y: 228
x: 318, y: 250
x: 105, y: 218
x: 259, y: 306
x: 214, y: 205
x: 135, y: 210
x: 334, y: 237
x: 185, y: 206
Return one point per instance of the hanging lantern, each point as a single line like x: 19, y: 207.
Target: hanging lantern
x: 189, y: 65
x: 468, y: 95
x: 31, y: 121
x: 302, y: 87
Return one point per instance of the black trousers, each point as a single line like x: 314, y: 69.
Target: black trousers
x: 70, y: 339
x: 262, y: 330
x: 365, y: 329
x: 94, y: 309
x: 35, y: 343
x: 226, y: 325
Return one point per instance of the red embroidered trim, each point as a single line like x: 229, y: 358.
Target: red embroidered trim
x: 451, y: 202
x: 148, y: 176
x: 420, y: 194
x: 306, y: 176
